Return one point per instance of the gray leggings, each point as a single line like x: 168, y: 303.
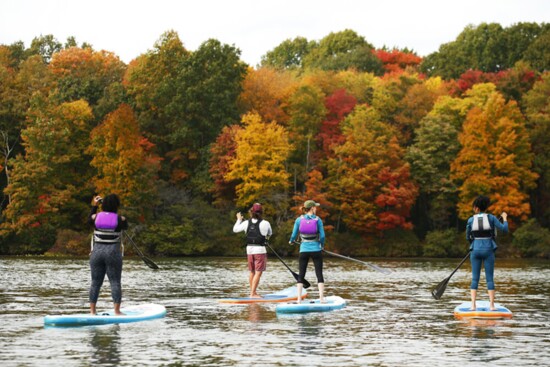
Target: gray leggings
x: 106, y: 259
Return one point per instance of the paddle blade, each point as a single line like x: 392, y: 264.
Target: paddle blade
x: 150, y: 263
x: 304, y: 281
x: 438, y: 291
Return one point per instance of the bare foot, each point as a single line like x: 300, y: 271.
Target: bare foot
x: 473, y: 308
x: 120, y: 313
x: 298, y: 300
x: 322, y: 300
x: 255, y: 296
x: 492, y: 308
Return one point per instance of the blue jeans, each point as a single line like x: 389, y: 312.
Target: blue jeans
x: 487, y: 257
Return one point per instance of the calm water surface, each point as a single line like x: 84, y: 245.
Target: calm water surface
x: 390, y: 320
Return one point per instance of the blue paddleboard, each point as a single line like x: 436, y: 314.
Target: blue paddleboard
x: 288, y: 294
x: 482, y: 311
x: 131, y: 314
x: 331, y: 303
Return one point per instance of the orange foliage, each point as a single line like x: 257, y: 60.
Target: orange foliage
x: 396, y: 61
x: 266, y: 91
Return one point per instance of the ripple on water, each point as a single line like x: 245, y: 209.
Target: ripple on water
x: 390, y: 319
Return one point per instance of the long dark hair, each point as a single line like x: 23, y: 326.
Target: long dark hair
x: 110, y: 203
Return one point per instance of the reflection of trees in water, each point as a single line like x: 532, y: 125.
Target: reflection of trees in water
x: 105, y: 343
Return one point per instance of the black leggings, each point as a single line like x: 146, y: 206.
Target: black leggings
x: 106, y: 259
x: 317, y: 261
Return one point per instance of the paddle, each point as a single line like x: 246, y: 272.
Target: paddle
x: 145, y: 259
x: 304, y: 281
x: 438, y: 291
x: 382, y: 270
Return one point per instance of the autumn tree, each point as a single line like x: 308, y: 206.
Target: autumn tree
x: 397, y: 60
x: 261, y: 152
x: 124, y: 160
x: 223, y: 151
x: 495, y: 159
x: 266, y: 91
x: 368, y: 180
x: 338, y: 105
x: 49, y: 183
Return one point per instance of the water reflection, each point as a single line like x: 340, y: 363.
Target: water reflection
x: 105, y: 343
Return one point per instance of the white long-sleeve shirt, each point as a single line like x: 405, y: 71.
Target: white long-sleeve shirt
x: 265, y: 230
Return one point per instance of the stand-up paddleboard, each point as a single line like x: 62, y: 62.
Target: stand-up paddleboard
x: 286, y: 295
x: 482, y: 311
x: 131, y: 314
x: 331, y: 303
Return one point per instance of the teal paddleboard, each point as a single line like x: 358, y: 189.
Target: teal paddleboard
x: 131, y: 314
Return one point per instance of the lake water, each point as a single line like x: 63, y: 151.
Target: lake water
x: 390, y: 320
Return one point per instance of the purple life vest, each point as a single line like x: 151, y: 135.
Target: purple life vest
x: 106, y: 221
x: 308, y: 229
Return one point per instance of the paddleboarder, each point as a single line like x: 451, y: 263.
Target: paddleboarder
x: 257, y: 230
x: 106, y: 255
x: 481, y: 233
x: 312, y: 233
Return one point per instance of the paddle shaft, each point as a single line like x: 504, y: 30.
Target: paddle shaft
x: 438, y: 291
x: 145, y: 259
x: 385, y: 271
x: 459, y: 265
x: 296, y: 276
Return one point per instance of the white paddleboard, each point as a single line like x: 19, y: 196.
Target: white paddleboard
x: 331, y: 303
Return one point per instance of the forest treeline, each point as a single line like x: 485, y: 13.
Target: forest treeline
x: 393, y: 145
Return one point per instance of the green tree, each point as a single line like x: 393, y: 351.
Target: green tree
x: 538, y: 52
x: 435, y: 146
x: 151, y: 83
x: 44, y: 46
x: 537, y: 108
x: 289, y: 54
x: 307, y: 110
x: 341, y: 51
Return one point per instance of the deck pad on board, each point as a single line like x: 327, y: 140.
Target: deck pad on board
x: 331, y: 303
x: 482, y: 311
x: 288, y: 294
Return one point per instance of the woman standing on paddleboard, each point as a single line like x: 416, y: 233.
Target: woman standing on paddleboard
x: 312, y: 233
x: 257, y: 231
x: 481, y: 232
x: 106, y: 256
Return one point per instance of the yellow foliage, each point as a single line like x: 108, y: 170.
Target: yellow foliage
x: 261, y: 152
